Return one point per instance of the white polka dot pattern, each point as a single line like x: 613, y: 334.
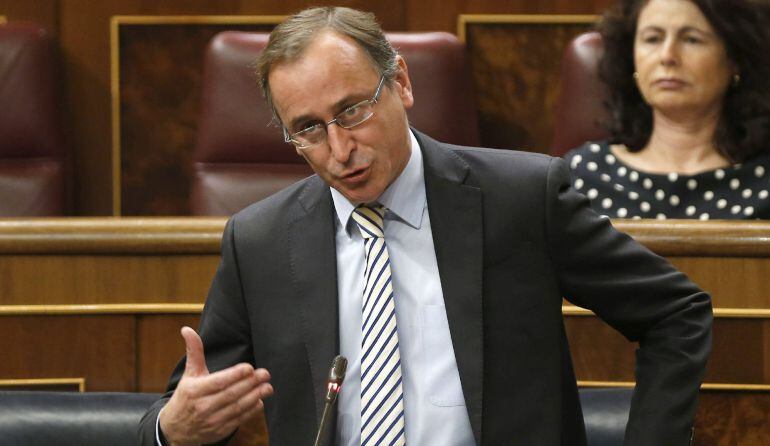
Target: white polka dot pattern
x: 746, y: 193
x: 721, y: 203
x: 618, y: 190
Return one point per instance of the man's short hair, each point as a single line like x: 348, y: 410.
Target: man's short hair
x: 290, y: 39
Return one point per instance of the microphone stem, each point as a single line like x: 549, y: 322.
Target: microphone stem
x: 322, y: 429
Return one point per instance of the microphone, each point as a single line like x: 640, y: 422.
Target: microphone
x: 333, y: 387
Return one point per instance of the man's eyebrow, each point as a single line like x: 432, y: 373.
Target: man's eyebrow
x: 338, y: 107
x: 301, y: 119
x: 347, y: 101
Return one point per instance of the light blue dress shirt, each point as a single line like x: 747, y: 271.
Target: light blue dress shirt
x: 434, y: 406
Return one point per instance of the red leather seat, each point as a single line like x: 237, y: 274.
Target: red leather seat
x: 579, y: 107
x: 32, y: 152
x: 239, y: 159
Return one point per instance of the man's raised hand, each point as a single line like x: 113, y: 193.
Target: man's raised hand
x: 207, y: 407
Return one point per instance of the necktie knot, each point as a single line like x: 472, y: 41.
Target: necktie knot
x: 370, y: 220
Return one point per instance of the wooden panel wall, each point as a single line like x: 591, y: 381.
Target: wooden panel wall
x: 82, y: 30
x: 734, y: 407
x: 515, y: 68
x: 160, y: 84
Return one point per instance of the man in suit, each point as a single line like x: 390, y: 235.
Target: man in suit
x: 479, y: 246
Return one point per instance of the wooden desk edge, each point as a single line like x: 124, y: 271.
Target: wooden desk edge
x: 202, y: 235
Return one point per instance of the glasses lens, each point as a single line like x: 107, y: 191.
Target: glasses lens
x: 310, y: 136
x: 355, y: 115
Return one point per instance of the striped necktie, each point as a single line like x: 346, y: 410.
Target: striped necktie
x: 382, y: 397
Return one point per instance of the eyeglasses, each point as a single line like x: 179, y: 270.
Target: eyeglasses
x: 347, y: 119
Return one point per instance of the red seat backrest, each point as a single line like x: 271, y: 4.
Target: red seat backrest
x: 579, y: 107
x: 32, y: 151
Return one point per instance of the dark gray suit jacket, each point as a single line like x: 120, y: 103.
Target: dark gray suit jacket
x: 512, y: 237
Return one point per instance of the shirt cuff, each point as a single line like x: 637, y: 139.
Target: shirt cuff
x: 159, y: 439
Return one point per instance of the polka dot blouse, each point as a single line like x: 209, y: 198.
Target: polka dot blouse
x: 620, y: 191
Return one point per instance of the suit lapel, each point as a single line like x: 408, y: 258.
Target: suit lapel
x: 314, y: 262
x: 455, y: 208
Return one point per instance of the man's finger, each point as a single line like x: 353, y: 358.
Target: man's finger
x: 196, y: 361
x: 246, y: 407
x: 235, y: 390
x: 221, y: 380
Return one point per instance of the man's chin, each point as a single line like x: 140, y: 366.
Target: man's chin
x: 359, y: 195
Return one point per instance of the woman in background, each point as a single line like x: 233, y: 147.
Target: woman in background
x: 689, y: 85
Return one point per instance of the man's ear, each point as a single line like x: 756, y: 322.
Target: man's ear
x: 402, y: 84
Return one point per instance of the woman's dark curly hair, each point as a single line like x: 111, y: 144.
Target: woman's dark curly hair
x: 744, y: 26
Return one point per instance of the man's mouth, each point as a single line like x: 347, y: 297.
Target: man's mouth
x: 356, y: 175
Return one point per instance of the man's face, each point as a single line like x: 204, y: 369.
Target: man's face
x: 332, y: 74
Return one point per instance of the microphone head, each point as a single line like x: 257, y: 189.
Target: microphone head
x: 337, y: 372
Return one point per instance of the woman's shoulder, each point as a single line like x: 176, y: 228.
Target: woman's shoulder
x: 758, y: 163
x: 590, y: 149
x: 591, y: 158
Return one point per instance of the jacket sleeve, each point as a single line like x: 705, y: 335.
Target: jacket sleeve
x: 224, y: 329
x: 643, y: 297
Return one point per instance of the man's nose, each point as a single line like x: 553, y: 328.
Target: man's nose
x: 340, y: 142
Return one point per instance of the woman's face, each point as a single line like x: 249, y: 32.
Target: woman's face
x: 682, y: 64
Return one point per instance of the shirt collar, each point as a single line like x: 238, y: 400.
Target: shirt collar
x: 405, y: 197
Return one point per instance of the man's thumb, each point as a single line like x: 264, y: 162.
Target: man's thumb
x: 196, y: 361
